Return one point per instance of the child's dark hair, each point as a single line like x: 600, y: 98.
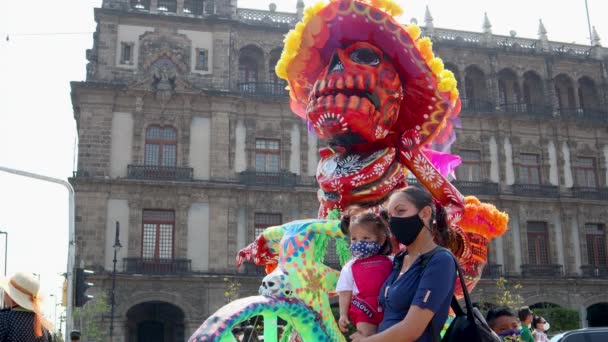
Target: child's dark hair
x: 379, y: 222
x: 498, y: 312
x: 422, y: 198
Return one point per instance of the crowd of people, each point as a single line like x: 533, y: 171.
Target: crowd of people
x: 523, y: 326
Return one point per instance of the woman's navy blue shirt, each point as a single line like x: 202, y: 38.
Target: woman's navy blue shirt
x: 428, y: 287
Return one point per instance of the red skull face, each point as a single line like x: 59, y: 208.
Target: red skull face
x: 356, y: 98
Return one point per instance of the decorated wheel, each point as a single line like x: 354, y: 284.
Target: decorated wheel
x: 241, y: 320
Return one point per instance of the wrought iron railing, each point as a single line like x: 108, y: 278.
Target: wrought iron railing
x: 307, y: 181
x: 277, y: 179
x: 477, y: 106
x: 476, y: 188
x: 541, y: 271
x: 80, y: 173
x: 595, y: 271
x: 156, y: 266
x: 536, y: 190
x: 585, y: 114
x: 140, y: 5
x: 263, y: 89
x: 597, y: 194
x: 526, y: 108
x: 492, y: 271
x: 156, y: 172
x: 255, y: 16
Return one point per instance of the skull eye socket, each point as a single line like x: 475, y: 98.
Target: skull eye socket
x: 365, y: 56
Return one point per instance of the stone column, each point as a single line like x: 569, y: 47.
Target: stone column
x: 180, y: 7
x: 494, y: 164
x: 568, y: 180
x: 550, y: 93
x: 240, y: 155
x: 509, y: 170
x: 583, y: 315
x: 294, y: 162
x: 553, y: 169
x: 220, y: 145
x: 153, y: 6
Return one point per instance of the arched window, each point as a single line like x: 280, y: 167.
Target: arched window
x: 476, y: 94
x: 587, y: 95
x: 161, y: 146
x: 248, y: 69
x: 533, y: 90
x: 564, y: 90
x: 508, y: 90
x: 277, y: 85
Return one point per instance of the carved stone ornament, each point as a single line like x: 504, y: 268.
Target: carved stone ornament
x: 164, y: 64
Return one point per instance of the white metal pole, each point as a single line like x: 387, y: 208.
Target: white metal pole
x: 71, y: 233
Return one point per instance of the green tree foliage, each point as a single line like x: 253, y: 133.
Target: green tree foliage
x: 58, y: 336
x: 90, y: 317
x: 507, y: 294
x: 233, y: 289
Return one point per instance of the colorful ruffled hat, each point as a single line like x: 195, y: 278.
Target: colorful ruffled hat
x: 430, y: 99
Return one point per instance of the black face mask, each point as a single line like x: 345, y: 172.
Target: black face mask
x: 406, y: 229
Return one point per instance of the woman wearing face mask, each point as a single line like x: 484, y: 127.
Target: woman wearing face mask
x: 416, y: 294
x: 540, y: 327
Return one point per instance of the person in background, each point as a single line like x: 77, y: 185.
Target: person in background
x: 525, y: 317
x: 503, y: 321
x: 540, y: 326
x: 75, y: 335
x: 22, y: 319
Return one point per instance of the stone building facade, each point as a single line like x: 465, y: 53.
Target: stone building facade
x: 186, y: 140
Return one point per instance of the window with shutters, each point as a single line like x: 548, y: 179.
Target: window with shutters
x: 596, y: 244
x: 585, y: 172
x: 158, y: 234
x: 529, y: 168
x: 470, y: 169
x: 161, y: 146
x: 538, y: 249
x: 267, y: 155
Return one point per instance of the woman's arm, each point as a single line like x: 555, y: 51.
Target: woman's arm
x: 409, y: 329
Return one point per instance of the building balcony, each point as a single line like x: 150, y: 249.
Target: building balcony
x: 273, y: 179
x: 477, y: 106
x: 156, y: 266
x: 527, y: 108
x: 161, y: 173
x: 596, y: 194
x: 541, y: 271
x: 477, y: 188
x: 584, y: 114
x: 536, y: 190
x: 310, y: 181
x: 492, y: 271
x: 595, y: 271
x: 264, y: 89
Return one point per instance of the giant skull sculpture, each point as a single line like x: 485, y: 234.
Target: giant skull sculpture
x: 358, y: 89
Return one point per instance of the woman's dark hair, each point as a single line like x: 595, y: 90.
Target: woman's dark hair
x: 536, y: 320
x: 378, y: 221
x: 422, y: 198
x: 523, y: 313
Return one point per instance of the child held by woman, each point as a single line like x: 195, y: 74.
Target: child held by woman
x: 362, y: 277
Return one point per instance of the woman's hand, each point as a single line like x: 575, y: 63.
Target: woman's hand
x: 343, y: 322
x: 357, y: 337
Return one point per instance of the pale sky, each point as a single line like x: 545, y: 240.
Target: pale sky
x: 46, y: 51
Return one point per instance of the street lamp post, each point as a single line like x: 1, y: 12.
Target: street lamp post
x: 71, y: 232
x: 116, y: 246
x: 55, y: 314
